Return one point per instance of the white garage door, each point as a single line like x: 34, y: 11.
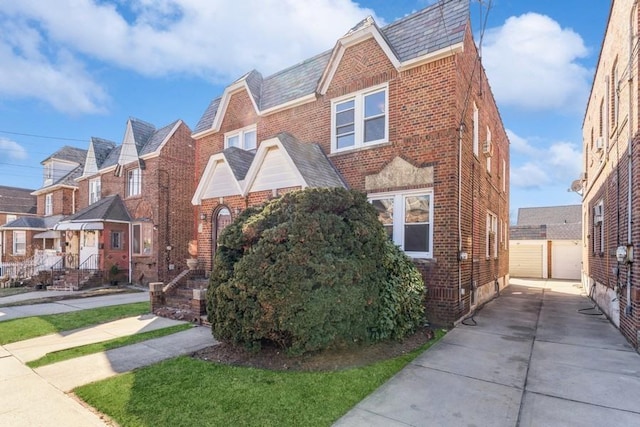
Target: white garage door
x: 566, y: 257
x: 525, y: 260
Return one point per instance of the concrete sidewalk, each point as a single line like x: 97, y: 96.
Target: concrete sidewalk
x: 34, y: 398
x: 532, y: 359
x: 65, y: 306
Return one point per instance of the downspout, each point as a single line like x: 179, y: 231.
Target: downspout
x: 460, y: 214
x: 130, y: 253
x: 627, y: 310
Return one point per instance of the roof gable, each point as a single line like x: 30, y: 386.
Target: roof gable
x: 424, y: 36
x: 136, y: 135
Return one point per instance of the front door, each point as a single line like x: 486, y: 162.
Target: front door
x: 221, y: 220
x: 89, y: 249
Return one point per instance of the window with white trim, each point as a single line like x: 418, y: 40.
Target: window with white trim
x: 598, y: 228
x: 116, y: 240
x: 19, y: 242
x: 94, y: 190
x: 142, y: 239
x: 48, y: 204
x: 504, y: 176
x: 11, y: 217
x: 407, y: 218
x: 359, y: 120
x: 476, y: 130
x: 488, y: 143
x: 134, y: 182
x: 492, y: 235
x: 245, y: 138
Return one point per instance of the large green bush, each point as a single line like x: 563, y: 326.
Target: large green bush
x: 312, y: 270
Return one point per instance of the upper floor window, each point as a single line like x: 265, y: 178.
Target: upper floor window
x: 245, y: 138
x: 359, y: 120
x: 19, y: 242
x: 407, y: 219
x: 598, y: 228
x: 11, y: 217
x: 488, y: 149
x: 134, y: 182
x: 94, y: 190
x: 48, y: 204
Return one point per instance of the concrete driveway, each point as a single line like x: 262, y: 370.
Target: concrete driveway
x: 535, y: 356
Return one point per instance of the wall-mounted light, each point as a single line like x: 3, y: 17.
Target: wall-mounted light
x: 203, y: 216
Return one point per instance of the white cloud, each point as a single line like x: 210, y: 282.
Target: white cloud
x: 12, y: 149
x: 219, y: 40
x: 536, y: 167
x: 532, y: 63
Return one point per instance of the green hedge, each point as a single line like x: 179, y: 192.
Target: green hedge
x: 312, y: 270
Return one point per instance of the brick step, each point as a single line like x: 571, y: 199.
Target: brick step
x: 181, y: 303
x: 198, y: 283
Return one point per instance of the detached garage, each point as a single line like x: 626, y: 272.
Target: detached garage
x: 546, y: 243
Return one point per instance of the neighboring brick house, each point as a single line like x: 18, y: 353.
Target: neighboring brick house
x: 14, y: 203
x: 611, y: 178
x: 403, y: 113
x: 134, y: 203
x: 54, y: 200
x: 546, y: 243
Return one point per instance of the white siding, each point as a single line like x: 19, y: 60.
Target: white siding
x: 222, y: 183
x: 275, y: 172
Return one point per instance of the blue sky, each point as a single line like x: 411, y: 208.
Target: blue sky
x: 72, y: 69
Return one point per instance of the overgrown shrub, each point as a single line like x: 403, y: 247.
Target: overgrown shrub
x: 311, y: 270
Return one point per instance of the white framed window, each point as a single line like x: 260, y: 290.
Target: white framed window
x: 134, y: 182
x: 245, y: 138
x: 19, y: 242
x: 476, y: 130
x: 48, y: 204
x: 116, y: 240
x: 492, y: 235
x: 598, y: 228
x: 488, y: 143
x: 504, y: 176
x: 142, y: 239
x: 360, y: 119
x: 407, y: 218
x: 11, y: 217
x: 94, y: 190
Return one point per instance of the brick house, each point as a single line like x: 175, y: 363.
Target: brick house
x: 14, y: 203
x: 54, y: 200
x: 133, y: 198
x: 403, y: 113
x: 611, y: 149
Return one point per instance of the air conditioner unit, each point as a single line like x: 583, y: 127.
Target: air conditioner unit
x: 599, y: 143
x: 598, y: 213
x: 487, y: 148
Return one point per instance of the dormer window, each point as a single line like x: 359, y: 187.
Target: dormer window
x: 48, y: 173
x: 245, y: 138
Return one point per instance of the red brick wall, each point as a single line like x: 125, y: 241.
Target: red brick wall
x: 426, y: 106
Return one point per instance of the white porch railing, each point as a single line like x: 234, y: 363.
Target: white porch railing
x: 42, y: 260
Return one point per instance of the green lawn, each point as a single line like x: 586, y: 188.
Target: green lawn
x: 6, y: 292
x: 70, y: 353
x: 31, y: 327
x: 189, y: 392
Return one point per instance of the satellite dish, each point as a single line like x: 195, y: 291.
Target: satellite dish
x: 576, y: 186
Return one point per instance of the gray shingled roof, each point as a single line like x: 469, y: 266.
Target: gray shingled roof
x: 110, y: 208
x: 564, y: 231
x: 72, y: 154
x: 101, y: 149
x: 431, y: 29
x: 239, y: 161
x: 313, y: 164
x: 34, y: 222
x: 570, y: 214
x: 142, y: 131
x: 15, y: 200
x: 70, y: 178
x: 157, y: 138
x: 112, y: 158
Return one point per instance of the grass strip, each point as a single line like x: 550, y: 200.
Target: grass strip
x: 7, y: 292
x: 185, y: 391
x: 37, y: 326
x: 83, y: 350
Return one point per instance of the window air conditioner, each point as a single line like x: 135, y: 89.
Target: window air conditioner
x: 599, y: 143
x: 597, y: 213
x: 487, y: 148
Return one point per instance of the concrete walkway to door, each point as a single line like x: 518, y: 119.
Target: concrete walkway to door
x: 536, y: 356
